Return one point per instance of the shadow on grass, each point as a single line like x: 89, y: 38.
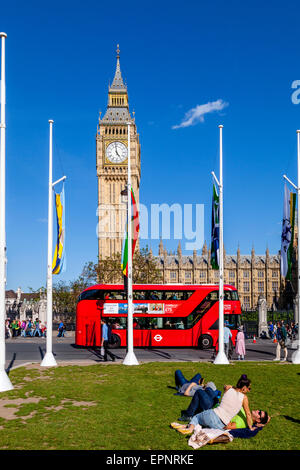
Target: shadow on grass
x: 289, y: 418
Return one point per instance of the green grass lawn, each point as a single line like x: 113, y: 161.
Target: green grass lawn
x: 120, y: 407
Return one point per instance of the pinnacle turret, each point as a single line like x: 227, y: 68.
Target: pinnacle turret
x: 118, y: 84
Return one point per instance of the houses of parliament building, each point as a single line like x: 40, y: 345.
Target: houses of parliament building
x: 254, y: 275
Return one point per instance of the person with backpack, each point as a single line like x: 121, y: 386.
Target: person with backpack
x: 281, y: 336
x: 106, y: 337
x: 61, y: 330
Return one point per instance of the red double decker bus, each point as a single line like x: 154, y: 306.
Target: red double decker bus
x: 164, y: 315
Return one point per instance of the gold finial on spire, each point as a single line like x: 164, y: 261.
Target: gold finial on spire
x: 118, y: 51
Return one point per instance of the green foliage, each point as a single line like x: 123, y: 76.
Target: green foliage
x: 106, y: 271
x: 86, y: 407
x: 145, y: 270
x: 286, y: 316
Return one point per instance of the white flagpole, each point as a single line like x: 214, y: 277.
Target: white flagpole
x: 130, y: 359
x: 49, y: 360
x: 5, y: 383
x: 221, y: 357
x: 296, y: 354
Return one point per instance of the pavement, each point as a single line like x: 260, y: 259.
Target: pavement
x: 21, y: 351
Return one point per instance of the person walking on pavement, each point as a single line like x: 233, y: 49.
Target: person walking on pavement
x: 281, y: 342
x: 240, y: 343
x: 61, y: 329
x: 23, y: 328
x: 227, y: 336
x: 37, y: 328
x: 14, y: 327
x: 29, y: 329
x: 8, y: 333
x: 104, y: 342
x: 271, y: 330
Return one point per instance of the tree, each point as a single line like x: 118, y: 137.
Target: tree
x: 106, y: 271
x: 145, y: 269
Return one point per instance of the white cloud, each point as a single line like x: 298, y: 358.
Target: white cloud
x: 195, y: 115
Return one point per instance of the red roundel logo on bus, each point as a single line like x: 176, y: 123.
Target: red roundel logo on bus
x: 158, y: 338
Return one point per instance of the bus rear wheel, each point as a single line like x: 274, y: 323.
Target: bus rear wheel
x: 205, y: 342
x: 115, y: 342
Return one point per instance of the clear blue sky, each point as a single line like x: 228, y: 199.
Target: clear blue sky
x: 175, y: 56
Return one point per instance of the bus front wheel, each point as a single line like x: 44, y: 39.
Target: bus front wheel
x: 205, y: 342
x: 114, y: 342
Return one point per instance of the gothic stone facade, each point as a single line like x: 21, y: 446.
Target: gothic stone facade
x: 253, y: 275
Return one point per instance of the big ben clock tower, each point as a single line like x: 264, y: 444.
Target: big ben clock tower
x: 111, y: 163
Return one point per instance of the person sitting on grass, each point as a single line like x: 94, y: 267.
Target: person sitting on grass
x: 233, y: 400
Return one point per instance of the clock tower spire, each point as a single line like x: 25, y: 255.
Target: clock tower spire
x: 111, y: 164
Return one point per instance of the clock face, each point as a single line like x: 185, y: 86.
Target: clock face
x: 116, y: 152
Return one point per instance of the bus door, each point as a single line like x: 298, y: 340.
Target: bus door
x: 88, y: 329
x: 91, y: 334
x: 141, y: 337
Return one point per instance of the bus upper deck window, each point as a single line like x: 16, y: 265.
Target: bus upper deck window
x: 214, y: 295
x: 154, y: 296
x: 119, y: 295
x: 91, y: 294
x: 139, y: 295
x: 234, y: 295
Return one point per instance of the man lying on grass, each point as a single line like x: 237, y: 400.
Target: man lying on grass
x: 259, y: 419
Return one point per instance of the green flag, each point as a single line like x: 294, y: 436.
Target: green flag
x: 215, y: 230
x: 291, y: 247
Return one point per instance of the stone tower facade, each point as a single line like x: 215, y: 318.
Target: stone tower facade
x: 111, y: 164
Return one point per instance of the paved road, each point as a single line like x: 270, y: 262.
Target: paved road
x: 26, y: 350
